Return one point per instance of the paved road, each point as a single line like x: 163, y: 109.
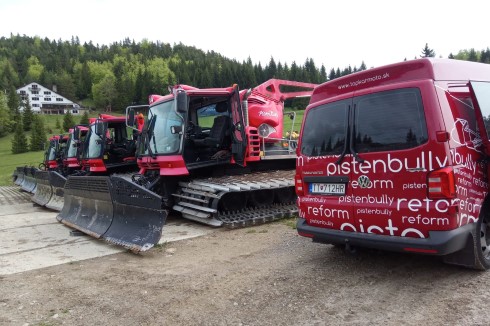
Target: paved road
x: 32, y: 238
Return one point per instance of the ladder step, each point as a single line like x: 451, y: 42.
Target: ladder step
x: 191, y: 198
x: 208, y: 221
x: 197, y: 207
x: 188, y: 211
x: 196, y: 186
x: 199, y: 193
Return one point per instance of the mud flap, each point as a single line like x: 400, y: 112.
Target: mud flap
x: 138, y: 216
x: 87, y: 205
x: 29, y: 183
x: 44, y: 191
x: 57, y: 182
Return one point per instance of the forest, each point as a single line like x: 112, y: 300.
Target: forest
x: 111, y: 77
x: 127, y: 72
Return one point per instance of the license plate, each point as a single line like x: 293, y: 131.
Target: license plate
x: 327, y: 188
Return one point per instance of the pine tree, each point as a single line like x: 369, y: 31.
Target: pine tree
x: 68, y: 121
x: 13, y: 100
x: 84, y: 118
x: 57, y: 124
x: 323, y: 74
x: 13, y: 105
x: 4, y: 115
x: 472, y: 56
x: 485, y: 56
x: 427, y: 52
x: 85, y: 82
x: 19, y: 142
x: 27, y: 115
x: 271, y: 69
x: 38, y: 134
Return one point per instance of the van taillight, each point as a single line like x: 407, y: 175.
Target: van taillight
x: 298, y: 182
x: 441, y: 184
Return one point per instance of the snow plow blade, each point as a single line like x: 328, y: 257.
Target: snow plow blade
x: 113, y: 209
x: 44, y: 191
x: 87, y: 205
x: 29, y: 183
x: 138, y: 216
x: 19, y: 175
x: 57, y: 182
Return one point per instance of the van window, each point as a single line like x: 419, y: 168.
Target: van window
x: 390, y: 120
x: 482, y: 94
x: 324, y: 129
x: 465, y: 128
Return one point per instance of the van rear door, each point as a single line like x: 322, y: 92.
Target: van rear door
x: 323, y: 166
x: 389, y: 174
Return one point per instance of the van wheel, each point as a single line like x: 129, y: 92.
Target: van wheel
x: 482, y: 243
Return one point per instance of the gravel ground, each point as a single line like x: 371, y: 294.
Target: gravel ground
x: 264, y: 275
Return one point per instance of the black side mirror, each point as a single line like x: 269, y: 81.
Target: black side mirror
x: 130, y: 117
x: 181, y: 102
x: 99, y: 128
x: 76, y: 134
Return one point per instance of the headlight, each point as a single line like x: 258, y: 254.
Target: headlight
x: 265, y: 130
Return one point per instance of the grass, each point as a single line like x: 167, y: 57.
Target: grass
x: 160, y: 246
x: 10, y: 161
x: 290, y: 222
x: 297, y: 122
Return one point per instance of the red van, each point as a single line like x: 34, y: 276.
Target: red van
x: 396, y: 158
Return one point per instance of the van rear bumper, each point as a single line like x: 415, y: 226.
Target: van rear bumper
x: 438, y: 242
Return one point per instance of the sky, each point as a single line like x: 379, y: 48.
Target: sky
x: 333, y: 33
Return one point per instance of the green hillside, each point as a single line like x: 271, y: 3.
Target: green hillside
x: 10, y: 161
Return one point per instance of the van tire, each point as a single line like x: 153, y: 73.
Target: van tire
x: 482, y: 241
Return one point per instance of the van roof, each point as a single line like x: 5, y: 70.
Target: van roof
x: 425, y: 68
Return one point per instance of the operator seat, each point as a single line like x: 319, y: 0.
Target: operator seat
x: 126, y: 148
x: 219, y: 130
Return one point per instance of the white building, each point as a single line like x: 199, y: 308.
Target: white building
x: 45, y: 101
